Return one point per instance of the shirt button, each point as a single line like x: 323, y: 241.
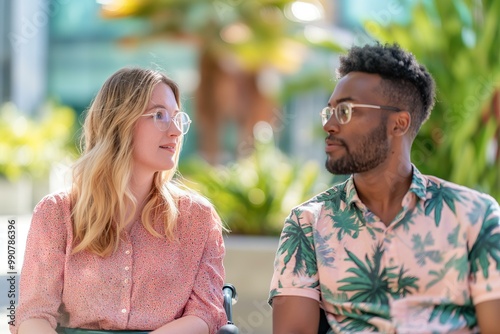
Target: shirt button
x: 127, y: 252
x: 126, y: 280
x: 124, y: 310
x: 127, y: 268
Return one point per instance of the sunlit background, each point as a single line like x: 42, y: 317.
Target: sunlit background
x: 254, y: 75
x: 239, y: 63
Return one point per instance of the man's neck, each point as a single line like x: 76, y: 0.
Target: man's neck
x: 382, y: 189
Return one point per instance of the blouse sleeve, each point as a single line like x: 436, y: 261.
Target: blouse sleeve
x: 41, y: 280
x: 206, y: 301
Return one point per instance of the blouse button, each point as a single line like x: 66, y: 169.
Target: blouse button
x: 126, y: 280
x: 127, y: 268
x: 127, y: 252
x: 124, y: 310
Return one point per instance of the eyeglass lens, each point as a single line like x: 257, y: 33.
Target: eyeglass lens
x: 342, y: 113
x: 163, y: 120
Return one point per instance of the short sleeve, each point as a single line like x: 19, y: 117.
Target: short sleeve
x: 484, y: 255
x: 41, y: 280
x: 295, y: 267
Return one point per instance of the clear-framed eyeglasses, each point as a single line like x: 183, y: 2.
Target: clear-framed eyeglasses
x: 343, y: 111
x: 163, y: 120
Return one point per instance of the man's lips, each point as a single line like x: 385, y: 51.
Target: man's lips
x: 333, y: 144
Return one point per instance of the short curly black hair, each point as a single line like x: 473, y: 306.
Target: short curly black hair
x: 406, y: 83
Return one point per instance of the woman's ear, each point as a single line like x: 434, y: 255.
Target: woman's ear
x: 400, y: 123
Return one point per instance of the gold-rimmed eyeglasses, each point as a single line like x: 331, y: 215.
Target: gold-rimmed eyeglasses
x: 343, y: 111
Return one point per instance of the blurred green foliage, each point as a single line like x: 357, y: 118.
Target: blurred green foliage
x: 253, y: 195
x: 458, y: 41
x: 29, y: 146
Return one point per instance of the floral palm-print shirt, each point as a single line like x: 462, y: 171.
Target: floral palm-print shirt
x: 423, y: 273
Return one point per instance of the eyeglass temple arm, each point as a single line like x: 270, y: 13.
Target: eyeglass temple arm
x: 354, y: 105
x: 390, y: 108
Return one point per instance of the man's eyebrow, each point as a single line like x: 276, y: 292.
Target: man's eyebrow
x: 344, y: 99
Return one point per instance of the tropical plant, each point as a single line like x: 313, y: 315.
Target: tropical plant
x: 254, y: 194
x: 30, y: 145
x: 458, y: 42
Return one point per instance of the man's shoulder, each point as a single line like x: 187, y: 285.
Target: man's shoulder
x: 436, y: 185
x: 461, y: 199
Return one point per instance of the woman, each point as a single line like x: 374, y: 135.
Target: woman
x: 126, y: 248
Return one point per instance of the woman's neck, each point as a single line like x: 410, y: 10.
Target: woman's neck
x: 140, y: 189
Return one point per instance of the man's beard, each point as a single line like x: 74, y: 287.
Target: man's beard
x: 370, y: 151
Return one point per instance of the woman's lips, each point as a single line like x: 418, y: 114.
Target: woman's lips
x: 168, y: 147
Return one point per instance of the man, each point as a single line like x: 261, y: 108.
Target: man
x: 390, y: 250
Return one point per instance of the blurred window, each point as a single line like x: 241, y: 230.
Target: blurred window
x: 85, y: 49
x: 5, y: 51
x: 353, y: 13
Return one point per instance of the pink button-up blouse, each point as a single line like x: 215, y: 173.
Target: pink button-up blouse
x: 145, y: 284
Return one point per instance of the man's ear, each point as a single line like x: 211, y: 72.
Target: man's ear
x: 400, y: 123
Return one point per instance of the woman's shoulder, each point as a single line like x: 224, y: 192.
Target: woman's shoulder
x: 191, y: 200
x: 54, y: 201
x: 52, y: 215
x: 197, y: 215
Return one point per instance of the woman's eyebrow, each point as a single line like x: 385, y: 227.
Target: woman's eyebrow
x: 157, y: 106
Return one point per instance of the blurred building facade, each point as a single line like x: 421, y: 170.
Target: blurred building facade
x: 64, y: 50
x: 5, y: 51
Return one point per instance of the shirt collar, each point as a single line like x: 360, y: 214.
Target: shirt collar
x: 418, y: 187
x: 418, y: 183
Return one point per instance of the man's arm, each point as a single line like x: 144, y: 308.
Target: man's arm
x: 295, y: 315
x: 488, y: 315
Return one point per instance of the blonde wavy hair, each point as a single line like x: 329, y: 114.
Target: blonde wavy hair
x: 100, y: 195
